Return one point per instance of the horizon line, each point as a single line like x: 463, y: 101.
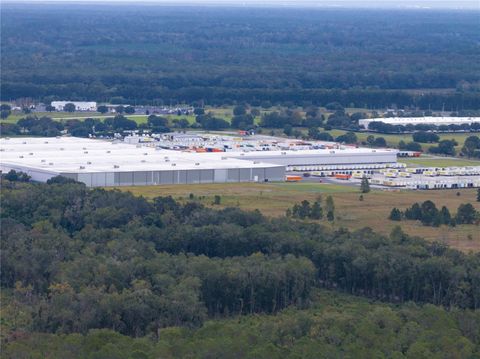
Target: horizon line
x: 327, y: 4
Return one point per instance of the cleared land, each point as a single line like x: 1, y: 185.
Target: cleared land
x: 426, y: 161
x: 273, y: 199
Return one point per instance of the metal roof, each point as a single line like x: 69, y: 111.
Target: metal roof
x: 70, y: 154
x: 80, y: 155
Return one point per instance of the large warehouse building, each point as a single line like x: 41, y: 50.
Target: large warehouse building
x: 105, y: 163
x: 428, y: 120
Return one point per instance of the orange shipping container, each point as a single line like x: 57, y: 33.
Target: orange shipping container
x: 293, y: 178
x: 342, y: 176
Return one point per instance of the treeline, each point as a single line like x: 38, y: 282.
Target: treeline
x: 230, y: 55
x: 243, y: 118
x: 77, y: 259
x: 430, y: 215
x: 338, y: 326
x: 48, y: 127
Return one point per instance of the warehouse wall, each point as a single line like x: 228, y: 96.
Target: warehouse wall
x: 142, y: 178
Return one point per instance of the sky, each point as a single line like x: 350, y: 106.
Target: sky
x: 421, y: 4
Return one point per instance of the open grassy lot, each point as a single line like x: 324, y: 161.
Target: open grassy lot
x: 64, y: 116
x: 272, y: 199
x: 426, y: 161
x: 393, y: 139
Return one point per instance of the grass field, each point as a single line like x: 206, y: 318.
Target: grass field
x: 64, y: 116
x: 426, y: 161
x: 273, y: 199
x: 393, y: 139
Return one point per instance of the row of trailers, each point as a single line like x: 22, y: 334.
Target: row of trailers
x: 430, y: 178
x: 446, y: 171
x: 350, y: 170
x: 429, y: 183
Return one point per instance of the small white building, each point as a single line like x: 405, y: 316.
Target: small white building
x: 79, y: 106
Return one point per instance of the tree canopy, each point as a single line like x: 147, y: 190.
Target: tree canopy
x: 338, y: 58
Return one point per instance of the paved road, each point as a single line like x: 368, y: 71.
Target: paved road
x: 314, y: 179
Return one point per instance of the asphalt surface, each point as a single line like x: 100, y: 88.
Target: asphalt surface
x: 331, y: 180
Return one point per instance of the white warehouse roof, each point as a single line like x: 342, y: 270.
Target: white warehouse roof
x: 428, y: 120
x: 338, y: 156
x: 102, y: 163
x: 67, y: 154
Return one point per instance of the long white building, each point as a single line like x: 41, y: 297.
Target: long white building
x: 428, y: 120
x: 105, y: 163
x: 345, y: 156
x: 79, y: 105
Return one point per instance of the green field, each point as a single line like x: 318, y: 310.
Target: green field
x: 426, y: 161
x: 273, y: 199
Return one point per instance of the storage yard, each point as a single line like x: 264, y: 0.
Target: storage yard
x: 429, y: 178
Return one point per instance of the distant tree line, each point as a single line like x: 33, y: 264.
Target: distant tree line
x: 274, y: 60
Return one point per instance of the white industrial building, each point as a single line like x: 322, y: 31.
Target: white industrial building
x: 79, y: 106
x: 428, y: 120
x: 106, y: 163
x: 340, y: 158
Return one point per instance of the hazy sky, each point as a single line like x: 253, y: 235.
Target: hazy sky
x: 460, y: 4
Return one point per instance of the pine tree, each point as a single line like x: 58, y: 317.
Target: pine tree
x: 429, y: 213
x: 330, y: 208
x: 316, y: 212
x: 466, y: 213
x: 296, y: 211
x: 305, y: 210
x: 445, y: 215
x: 414, y: 212
x: 395, y: 215
x: 365, y: 185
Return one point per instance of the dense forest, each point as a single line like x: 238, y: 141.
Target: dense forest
x: 150, y: 54
x: 337, y: 326
x: 76, y: 259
